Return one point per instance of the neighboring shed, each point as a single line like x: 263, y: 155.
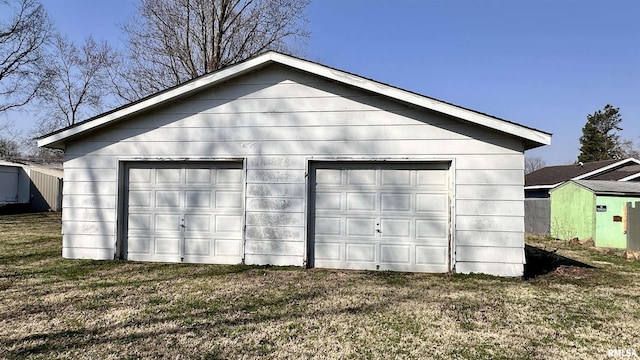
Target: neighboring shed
x: 35, y: 186
x: 282, y: 161
x: 592, y: 209
x: 537, y: 208
x: 46, y: 188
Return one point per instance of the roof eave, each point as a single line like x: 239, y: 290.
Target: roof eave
x: 56, y: 140
x: 606, y: 168
x: 532, y: 138
x: 630, y: 177
x: 541, y: 187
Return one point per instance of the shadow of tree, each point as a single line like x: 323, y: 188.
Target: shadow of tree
x: 540, y: 262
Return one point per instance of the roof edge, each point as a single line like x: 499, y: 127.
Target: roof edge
x: 606, y: 168
x: 534, y: 138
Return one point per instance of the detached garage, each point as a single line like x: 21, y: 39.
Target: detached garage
x: 282, y: 161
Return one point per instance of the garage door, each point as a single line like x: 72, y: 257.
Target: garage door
x: 381, y: 216
x: 184, y: 213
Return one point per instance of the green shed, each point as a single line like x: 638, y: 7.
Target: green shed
x: 592, y: 209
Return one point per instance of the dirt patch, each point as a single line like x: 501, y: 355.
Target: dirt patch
x: 575, y: 272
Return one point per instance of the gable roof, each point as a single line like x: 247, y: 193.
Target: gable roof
x: 552, y: 176
x: 532, y: 137
x: 604, y: 187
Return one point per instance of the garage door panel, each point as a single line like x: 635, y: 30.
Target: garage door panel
x: 168, y: 176
x: 164, y: 222
x: 197, y: 246
x: 360, y: 253
x: 431, y: 228
x: 184, y: 212
x: 198, y: 176
x: 168, y: 199
x: 361, y: 201
x: 396, y: 178
x: 139, y: 245
x: 140, y: 222
x: 327, y: 177
x: 228, y: 223
x: 361, y: 177
x: 197, y: 223
x: 431, y: 255
x: 395, y: 254
x: 357, y: 227
x: 167, y: 245
x: 395, y: 228
x: 328, y: 201
x: 328, y: 226
x: 381, y: 216
x: 395, y: 202
x: 328, y: 251
x: 198, y: 199
x: 426, y: 203
x: 139, y: 176
x: 140, y: 198
x: 228, y: 248
x: 432, y: 177
x: 228, y: 199
x: 228, y: 176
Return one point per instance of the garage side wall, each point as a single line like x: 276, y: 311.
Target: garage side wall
x: 277, y: 120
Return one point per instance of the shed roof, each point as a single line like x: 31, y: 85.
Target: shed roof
x: 532, y: 137
x: 49, y: 168
x: 552, y: 176
x: 603, y: 187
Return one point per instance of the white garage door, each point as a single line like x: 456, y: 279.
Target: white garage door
x: 381, y: 216
x: 184, y: 213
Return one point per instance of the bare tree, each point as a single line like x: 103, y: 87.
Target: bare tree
x: 629, y: 149
x: 24, y: 31
x: 532, y: 164
x: 77, y: 83
x: 172, y: 41
x: 9, y: 149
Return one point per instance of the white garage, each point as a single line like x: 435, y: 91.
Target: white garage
x: 381, y: 216
x: 184, y: 212
x: 282, y: 161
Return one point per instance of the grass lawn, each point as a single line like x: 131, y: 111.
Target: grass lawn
x: 55, y: 308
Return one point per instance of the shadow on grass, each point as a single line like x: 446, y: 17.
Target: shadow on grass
x: 540, y: 262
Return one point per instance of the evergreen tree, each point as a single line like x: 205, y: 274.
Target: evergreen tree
x: 599, y: 140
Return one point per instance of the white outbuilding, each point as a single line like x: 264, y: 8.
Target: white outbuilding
x: 283, y: 161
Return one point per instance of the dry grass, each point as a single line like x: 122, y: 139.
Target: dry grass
x: 55, y: 308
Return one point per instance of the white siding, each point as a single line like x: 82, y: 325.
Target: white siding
x: 277, y: 120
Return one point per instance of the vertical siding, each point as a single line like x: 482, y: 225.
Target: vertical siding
x: 537, y: 215
x: 46, y: 192
x: 277, y: 119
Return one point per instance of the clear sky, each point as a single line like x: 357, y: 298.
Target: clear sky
x: 541, y: 63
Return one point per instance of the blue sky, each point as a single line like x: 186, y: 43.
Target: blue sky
x: 542, y: 63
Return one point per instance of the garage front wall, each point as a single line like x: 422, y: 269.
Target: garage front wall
x: 277, y: 122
